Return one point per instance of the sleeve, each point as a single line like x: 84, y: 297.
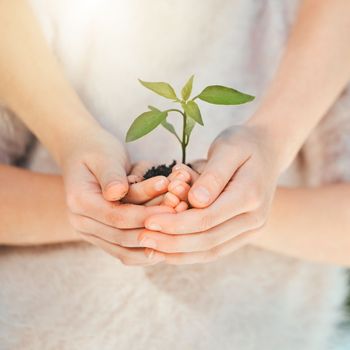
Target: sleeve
x: 15, y: 138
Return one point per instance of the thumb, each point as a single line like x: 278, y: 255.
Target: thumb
x: 215, y: 175
x: 111, y: 175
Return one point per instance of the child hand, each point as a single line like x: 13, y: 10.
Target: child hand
x: 159, y: 190
x: 150, y: 192
x: 145, y: 191
x: 155, y: 191
x: 181, y: 179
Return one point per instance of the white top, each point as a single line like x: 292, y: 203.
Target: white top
x: 76, y: 296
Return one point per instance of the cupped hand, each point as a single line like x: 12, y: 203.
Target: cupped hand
x: 230, y: 200
x: 125, y: 244
x: 94, y: 172
x: 143, y: 191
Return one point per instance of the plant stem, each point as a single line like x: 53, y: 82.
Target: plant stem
x: 183, y: 143
x: 174, y: 110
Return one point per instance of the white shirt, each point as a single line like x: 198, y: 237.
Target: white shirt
x: 77, y: 297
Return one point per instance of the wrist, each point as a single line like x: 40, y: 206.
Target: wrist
x: 58, y: 119
x: 66, y: 139
x: 284, y: 140
x: 89, y: 143
x: 271, y: 232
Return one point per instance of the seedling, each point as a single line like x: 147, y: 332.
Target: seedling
x: 189, y: 110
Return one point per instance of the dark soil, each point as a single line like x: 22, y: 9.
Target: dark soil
x: 162, y: 169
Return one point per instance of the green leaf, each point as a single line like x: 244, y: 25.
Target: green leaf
x: 160, y: 88
x: 170, y: 127
x: 190, y: 123
x: 187, y: 89
x: 144, y: 124
x: 222, y: 95
x: 192, y: 110
x: 152, y: 108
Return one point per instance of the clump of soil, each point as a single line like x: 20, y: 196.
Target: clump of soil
x: 163, y: 169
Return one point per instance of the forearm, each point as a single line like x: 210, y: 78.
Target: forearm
x: 311, y: 224
x: 313, y: 71
x: 32, y: 208
x: 32, y: 82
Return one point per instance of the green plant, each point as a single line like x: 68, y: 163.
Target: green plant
x: 191, y: 114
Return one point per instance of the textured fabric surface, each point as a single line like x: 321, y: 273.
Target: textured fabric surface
x: 75, y: 296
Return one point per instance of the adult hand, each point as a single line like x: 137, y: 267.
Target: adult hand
x: 94, y: 172
x: 230, y: 199
x: 149, y: 192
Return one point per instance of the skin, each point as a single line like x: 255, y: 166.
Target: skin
x: 295, y: 226
x: 244, y: 163
x: 234, y: 187
x: 94, y: 163
x: 40, y: 216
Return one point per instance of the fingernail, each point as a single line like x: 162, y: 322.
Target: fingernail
x: 179, y: 189
x: 201, y: 194
x: 174, y: 183
x: 152, y: 255
x: 177, y: 167
x: 148, y: 243
x: 116, y: 190
x: 171, y: 198
x: 160, y: 185
x: 182, y: 206
x: 153, y: 227
x: 149, y: 253
x: 180, y: 176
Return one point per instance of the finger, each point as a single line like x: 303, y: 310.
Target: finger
x: 234, y: 200
x: 179, y: 189
x: 155, y: 201
x: 198, y: 166
x: 221, y: 166
x: 111, y: 175
x: 134, y: 179
x: 202, y: 241
x: 124, y: 238
x: 182, y: 172
x: 213, y: 254
x: 128, y: 256
x: 123, y: 216
x: 182, y: 206
x: 128, y: 216
x: 146, y: 190
x: 170, y: 200
x: 181, y: 175
x: 139, y: 169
